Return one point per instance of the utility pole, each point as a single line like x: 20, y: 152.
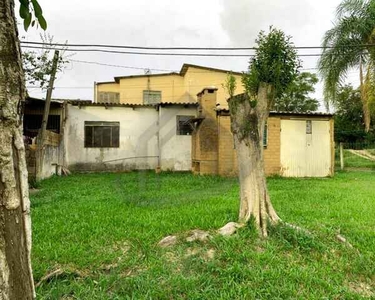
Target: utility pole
x: 46, y: 114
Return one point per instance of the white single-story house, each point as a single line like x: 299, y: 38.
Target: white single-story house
x: 121, y: 137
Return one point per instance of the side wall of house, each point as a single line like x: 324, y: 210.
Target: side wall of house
x: 227, y: 154
x: 175, y: 149
x: 138, y: 147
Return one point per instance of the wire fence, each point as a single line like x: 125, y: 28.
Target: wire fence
x: 355, y: 156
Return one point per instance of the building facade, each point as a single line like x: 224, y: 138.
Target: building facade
x: 172, y: 87
x: 124, y: 137
x: 295, y: 144
x: 167, y: 122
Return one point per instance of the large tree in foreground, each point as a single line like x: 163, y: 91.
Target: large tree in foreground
x: 271, y: 71
x: 16, y: 281
x: 349, y: 44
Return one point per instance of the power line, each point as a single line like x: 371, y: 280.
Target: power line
x: 119, y: 66
x: 157, y: 53
x: 184, y: 48
x: 152, y: 69
x: 140, y: 53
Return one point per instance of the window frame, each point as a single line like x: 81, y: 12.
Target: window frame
x: 149, y: 94
x: 114, y: 136
x: 178, y: 126
x: 108, y: 97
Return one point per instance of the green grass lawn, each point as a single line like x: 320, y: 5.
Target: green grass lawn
x: 104, y: 229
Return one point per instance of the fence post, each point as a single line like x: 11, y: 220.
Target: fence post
x: 342, y: 156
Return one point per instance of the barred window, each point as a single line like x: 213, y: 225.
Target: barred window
x: 109, y: 97
x: 265, y: 135
x: 151, y: 97
x: 102, y: 134
x: 184, y: 126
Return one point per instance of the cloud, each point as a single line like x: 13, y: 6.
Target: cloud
x: 304, y: 20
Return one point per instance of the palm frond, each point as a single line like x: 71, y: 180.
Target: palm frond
x: 348, y: 28
x: 335, y: 63
x: 358, y: 8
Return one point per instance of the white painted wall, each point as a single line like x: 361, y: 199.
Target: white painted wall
x: 175, y: 149
x: 138, y: 139
x: 305, y: 155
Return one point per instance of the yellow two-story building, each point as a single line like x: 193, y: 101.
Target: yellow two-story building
x: 174, y: 87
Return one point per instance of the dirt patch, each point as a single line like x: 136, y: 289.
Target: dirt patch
x: 362, y: 289
x: 34, y: 191
x: 206, y: 255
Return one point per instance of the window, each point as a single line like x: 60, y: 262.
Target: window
x: 265, y: 135
x: 32, y: 123
x: 151, y: 97
x: 102, y: 134
x: 109, y: 97
x: 308, y: 127
x: 184, y: 126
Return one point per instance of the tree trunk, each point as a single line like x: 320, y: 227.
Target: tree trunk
x: 364, y: 86
x: 248, y: 119
x: 16, y: 280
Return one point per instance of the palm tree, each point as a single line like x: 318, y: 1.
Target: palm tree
x: 350, y: 44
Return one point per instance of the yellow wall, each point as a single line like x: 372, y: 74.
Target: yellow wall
x: 196, y: 79
x: 174, y: 88
x: 108, y: 87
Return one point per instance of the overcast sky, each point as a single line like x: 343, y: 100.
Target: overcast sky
x: 203, y: 23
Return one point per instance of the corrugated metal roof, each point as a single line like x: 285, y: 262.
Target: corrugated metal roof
x: 89, y: 103
x: 180, y: 103
x: 274, y: 112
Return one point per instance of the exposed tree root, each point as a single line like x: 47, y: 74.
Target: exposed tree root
x: 65, y: 171
x: 297, y: 228
x: 59, y: 272
x: 343, y: 240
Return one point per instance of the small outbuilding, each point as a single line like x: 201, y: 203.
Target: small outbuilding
x: 295, y: 144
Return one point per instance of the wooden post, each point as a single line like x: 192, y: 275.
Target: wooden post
x: 43, y: 129
x: 342, y: 156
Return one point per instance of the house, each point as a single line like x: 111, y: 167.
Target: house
x: 139, y: 121
x: 295, y: 144
x: 120, y: 137
x: 180, y: 122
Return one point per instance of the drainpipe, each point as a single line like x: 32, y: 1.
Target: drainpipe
x: 95, y: 91
x: 158, y: 168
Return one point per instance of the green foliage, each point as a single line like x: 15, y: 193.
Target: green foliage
x: 107, y: 226
x: 27, y: 8
x: 37, y: 65
x: 296, y: 97
x: 275, y: 62
x: 354, y: 25
x: 230, y: 85
x: 349, y: 125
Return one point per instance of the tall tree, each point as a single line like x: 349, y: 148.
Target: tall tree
x: 16, y: 281
x: 349, y: 45
x: 296, y: 97
x: 271, y: 71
